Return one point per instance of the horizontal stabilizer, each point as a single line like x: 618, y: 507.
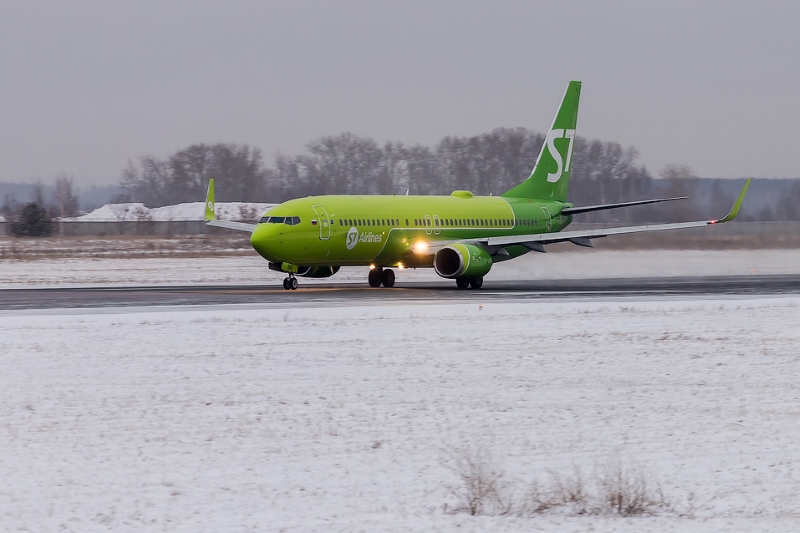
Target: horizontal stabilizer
x: 589, y: 208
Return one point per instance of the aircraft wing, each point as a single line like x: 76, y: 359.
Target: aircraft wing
x: 211, y: 217
x: 583, y: 237
x: 230, y: 224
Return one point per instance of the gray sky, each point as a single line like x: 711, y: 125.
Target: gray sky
x: 86, y: 85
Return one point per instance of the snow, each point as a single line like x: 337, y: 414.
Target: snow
x: 347, y: 419
x: 187, y: 211
x: 252, y: 269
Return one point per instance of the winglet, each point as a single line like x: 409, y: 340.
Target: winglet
x: 210, y: 202
x: 736, y: 205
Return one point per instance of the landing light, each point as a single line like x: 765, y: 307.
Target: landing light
x: 372, y: 267
x: 421, y: 247
x: 400, y: 266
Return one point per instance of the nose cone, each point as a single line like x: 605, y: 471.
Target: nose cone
x: 264, y: 240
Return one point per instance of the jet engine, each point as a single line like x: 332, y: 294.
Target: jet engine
x: 318, y: 272
x: 305, y: 271
x: 462, y: 261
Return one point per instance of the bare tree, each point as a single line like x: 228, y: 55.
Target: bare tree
x: 66, y: 202
x: 679, y: 180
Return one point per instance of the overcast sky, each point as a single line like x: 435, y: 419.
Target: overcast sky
x: 86, y: 85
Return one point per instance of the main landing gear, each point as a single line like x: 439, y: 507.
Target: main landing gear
x: 290, y: 283
x: 465, y: 283
x: 379, y: 276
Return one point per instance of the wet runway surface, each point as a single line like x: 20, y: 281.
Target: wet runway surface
x: 337, y: 294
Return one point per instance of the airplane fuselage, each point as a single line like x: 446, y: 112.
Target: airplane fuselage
x: 388, y: 230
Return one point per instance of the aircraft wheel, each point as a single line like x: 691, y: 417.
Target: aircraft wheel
x: 462, y: 283
x: 293, y: 283
x: 286, y: 284
x: 374, y: 277
x: 387, y: 278
x: 476, y: 283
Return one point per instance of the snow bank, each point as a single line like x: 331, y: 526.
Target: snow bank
x: 347, y: 419
x: 131, y: 212
x: 252, y: 269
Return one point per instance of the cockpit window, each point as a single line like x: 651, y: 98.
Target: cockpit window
x: 292, y: 221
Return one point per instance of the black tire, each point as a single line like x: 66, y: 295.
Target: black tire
x: 462, y: 283
x: 476, y: 283
x: 374, y: 277
x: 387, y: 278
x: 293, y: 283
x: 286, y: 284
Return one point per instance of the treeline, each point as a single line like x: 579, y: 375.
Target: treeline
x: 490, y: 163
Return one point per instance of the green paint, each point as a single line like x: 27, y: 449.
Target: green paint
x: 209, y: 214
x: 737, y: 204
x: 550, y: 175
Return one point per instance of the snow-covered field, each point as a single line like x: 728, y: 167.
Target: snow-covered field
x: 354, y: 418
x: 251, y: 269
x: 132, y: 212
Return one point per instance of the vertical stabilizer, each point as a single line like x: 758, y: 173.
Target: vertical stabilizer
x: 549, y: 179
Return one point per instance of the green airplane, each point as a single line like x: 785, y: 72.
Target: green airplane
x: 460, y: 236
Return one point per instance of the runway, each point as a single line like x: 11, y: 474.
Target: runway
x: 338, y: 294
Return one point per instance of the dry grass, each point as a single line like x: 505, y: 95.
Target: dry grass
x: 481, y: 489
x: 613, y: 490
x: 123, y: 246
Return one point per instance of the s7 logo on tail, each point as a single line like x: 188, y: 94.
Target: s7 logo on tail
x: 551, y: 146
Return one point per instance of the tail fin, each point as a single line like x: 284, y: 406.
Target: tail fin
x: 549, y: 179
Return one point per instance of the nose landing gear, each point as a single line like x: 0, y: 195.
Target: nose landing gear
x: 381, y: 276
x: 290, y: 283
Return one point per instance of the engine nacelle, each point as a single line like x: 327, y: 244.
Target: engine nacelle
x: 462, y: 261
x: 318, y: 272
x: 305, y: 271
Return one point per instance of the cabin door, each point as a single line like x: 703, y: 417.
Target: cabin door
x: 322, y: 222
x: 548, y: 221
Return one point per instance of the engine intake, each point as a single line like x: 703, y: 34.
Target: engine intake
x: 462, y: 261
